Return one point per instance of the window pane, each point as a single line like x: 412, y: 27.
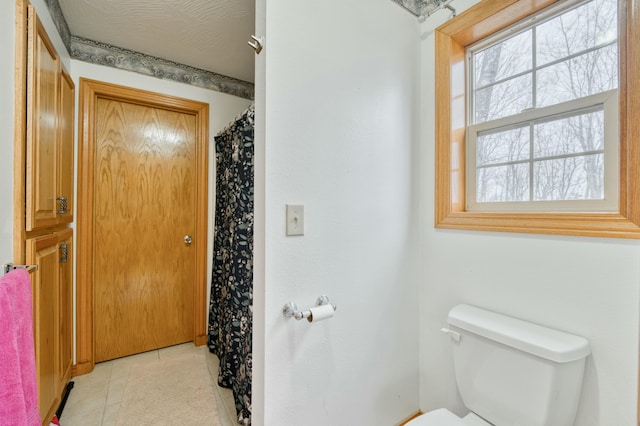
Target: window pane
x: 572, y: 178
x: 510, y: 57
x: 585, y: 75
x: 502, y: 183
x: 532, y: 154
x: 592, y: 24
x: 503, y: 99
x: 502, y: 147
x: 570, y: 135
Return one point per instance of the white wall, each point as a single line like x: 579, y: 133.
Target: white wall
x: 586, y: 286
x: 259, y: 229
x: 7, y: 78
x: 223, y: 109
x: 50, y: 27
x: 340, y: 105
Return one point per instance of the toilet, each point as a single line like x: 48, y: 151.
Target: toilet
x: 511, y: 372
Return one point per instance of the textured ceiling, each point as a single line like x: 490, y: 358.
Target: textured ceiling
x: 207, y: 34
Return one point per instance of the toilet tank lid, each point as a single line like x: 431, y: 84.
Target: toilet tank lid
x: 544, y: 342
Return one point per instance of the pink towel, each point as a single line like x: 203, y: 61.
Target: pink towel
x: 18, y: 383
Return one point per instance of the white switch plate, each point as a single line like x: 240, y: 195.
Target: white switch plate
x: 295, y: 219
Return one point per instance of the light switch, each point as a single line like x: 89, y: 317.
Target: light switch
x: 295, y: 219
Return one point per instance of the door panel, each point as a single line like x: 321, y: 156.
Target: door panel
x: 65, y: 305
x: 65, y: 149
x: 144, y: 205
x: 42, y: 102
x: 43, y: 251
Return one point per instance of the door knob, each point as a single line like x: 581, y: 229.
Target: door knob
x: 188, y: 239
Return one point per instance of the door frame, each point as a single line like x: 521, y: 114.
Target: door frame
x: 90, y: 92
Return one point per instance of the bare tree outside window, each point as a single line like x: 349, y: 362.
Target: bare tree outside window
x: 565, y: 58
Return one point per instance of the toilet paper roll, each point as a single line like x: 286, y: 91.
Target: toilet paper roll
x: 320, y: 313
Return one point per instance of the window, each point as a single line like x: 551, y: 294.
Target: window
x: 537, y: 138
x: 543, y: 112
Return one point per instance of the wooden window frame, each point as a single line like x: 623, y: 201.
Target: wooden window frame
x: 451, y: 40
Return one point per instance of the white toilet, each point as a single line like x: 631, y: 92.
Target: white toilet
x: 511, y: 372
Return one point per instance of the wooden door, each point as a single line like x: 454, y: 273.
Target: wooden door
x: 43, y: 67
x: 43, y: 251
x: 144, y: 206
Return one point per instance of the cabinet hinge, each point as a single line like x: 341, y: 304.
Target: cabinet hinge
x: 64, y: 253
x: 63, y: 205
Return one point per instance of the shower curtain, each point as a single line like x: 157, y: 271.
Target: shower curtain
x: 231, y: 303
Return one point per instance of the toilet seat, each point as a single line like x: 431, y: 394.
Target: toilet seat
x: 444, y: 417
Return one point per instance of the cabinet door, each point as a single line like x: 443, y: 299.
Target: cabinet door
x: 65, y: 306
x: 65, y: 149
x: 43, y: 77
x: 43, y: 251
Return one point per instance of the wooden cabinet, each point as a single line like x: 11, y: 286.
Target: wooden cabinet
x: 43, y: 251
x: 52, y: 313
x: 49, y: 147
x: 43, y: 79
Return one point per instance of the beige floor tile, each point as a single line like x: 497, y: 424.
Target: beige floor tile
x: 224, y: 397
x: 116, y: 389
x: 86, y: 395
x: 213, y: 364
x: 228, y: 403
x: 95, y: 398
x: 101, y: 374
x: 122, y: 366
x: 110, y: 414
x: 223, y: 413
x: 177, y: 350
x: 86, y: 418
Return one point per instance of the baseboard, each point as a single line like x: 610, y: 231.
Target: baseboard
x: 411, y: 417
x: 82, y: 368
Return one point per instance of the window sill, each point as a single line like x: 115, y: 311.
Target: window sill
x: 608, y: 225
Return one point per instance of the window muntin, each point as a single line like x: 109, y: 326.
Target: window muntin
x: 588, y: 26
x: 553, y: 158
x: 503, y: 60
x: 537, y: 141
x: 587, y: 74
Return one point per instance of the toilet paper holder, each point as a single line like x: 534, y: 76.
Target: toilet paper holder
x: 290, y: 310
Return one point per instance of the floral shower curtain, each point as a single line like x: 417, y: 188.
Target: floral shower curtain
x: 231, y: 304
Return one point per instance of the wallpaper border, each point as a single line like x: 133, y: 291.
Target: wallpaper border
x: 116, y: 57
x: 421, y: 7
x: 129, y: 60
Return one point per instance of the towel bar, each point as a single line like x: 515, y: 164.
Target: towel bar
x: 8, y: 267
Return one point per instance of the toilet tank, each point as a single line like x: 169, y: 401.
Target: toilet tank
x: 515, y: 373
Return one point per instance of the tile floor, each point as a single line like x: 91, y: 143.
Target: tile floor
x: 95, y: 397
